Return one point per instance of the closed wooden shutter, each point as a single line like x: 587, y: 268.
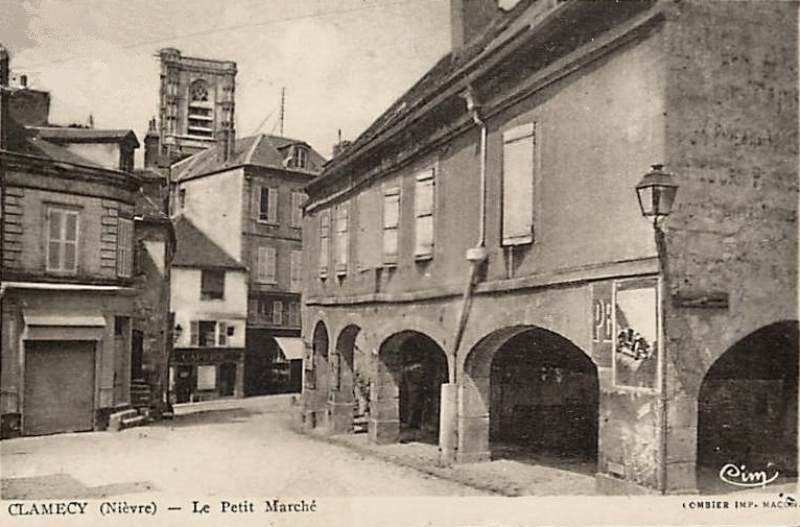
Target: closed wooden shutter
x: 342, y: 237
x: 297, y: 209
x: 324, y: 239
x: 272, y: 211
x: 424, y: 205
x: 391, y: 224
x: 296, y: 271
x: 222, y: 329
x: 194, y: 333
x: 267, y: 264
x: 255, y: 201
x: 518, y: 180
x: 277, y: 313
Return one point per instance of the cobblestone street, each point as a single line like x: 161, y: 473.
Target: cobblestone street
x: 227, y: 448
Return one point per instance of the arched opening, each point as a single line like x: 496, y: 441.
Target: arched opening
x: 320, y: 372
x: 747, y: 408
x: 530, y: 395
x: 410, y: 371
x: 351, y: 378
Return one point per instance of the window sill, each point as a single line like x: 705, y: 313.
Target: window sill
x: 423, y: 257
x: 512, y: 242
x: 267, y: 222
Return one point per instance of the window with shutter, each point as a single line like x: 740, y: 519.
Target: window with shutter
x: 222, y: 333
x: 194, y: 332
x: 266, y: 265
x: 424, y: 205
x: 296, y: 271
x: 272, y: 212
x: 297, y: 209
x: 391, y: 224
x: 212, y: 284
x: 518, y: 179
x: 62, y: 240
x: 342, y: 238
x: 324, y: 237
x: 277, y: 313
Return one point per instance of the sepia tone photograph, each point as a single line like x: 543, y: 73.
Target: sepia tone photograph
x: 399, y: 262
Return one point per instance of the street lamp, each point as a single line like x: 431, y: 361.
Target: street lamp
x: 178, y: 331
x: 656, y: 192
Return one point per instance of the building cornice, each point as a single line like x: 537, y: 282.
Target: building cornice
x: 575, y: 276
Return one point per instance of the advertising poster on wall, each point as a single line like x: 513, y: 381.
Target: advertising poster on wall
x: 636, y: 329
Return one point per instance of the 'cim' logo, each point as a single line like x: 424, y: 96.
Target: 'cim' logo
x: 741, y: 477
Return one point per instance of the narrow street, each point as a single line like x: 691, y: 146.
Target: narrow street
x: 242, y: 447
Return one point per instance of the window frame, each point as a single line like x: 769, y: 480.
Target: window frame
x: 62, y: 241
x: 324, y: 242
x: 342, y: 230
x: 516, y: 134
x: 206, y: 294
x: 271, y: 216
x: 390, y: 260
x: 425, y: 177
x: 270, y: 275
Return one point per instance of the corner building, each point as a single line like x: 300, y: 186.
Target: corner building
x: 478, y: 258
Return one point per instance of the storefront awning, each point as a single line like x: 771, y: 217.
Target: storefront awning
x: 292, y: 347
x: 63, y: 326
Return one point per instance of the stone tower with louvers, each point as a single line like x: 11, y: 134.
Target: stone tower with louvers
x: 196, y: 107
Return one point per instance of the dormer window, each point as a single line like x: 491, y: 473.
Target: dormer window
x: 299, y: 157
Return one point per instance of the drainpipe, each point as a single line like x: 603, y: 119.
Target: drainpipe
x: 477, y: 255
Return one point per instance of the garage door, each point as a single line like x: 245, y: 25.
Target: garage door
x: 59, y: 387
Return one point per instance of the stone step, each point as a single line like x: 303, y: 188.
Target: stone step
x: 133, y: 421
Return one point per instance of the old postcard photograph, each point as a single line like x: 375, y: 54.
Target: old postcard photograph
x: 399, y: 262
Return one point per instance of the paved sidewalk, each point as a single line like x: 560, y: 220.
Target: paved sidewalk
x: 505, y: 477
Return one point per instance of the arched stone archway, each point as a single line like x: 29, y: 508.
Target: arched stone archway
x: 747, y: 407
x: 405, y: 396
x: 531, y: 394
x: 344, y: 378
x: 318, y: 386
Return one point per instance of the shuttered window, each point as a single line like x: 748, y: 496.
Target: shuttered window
x: 342, y: 237
x: 277, y: 313
x: 391, y: 224
x: 297, y: 209
x: 266, y: 265
x: 212, y: 284
x: 424, y: 205
x: 518, y: 179
x: 124, y: 247
x: 268, y: 205
x: 324, y: 241
x: 62, y: 240
x: 296, y: 271
x: 222, y: 333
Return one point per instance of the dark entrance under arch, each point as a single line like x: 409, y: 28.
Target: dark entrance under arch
x: 747, y: 407
x: 535, y: 397
x: 411, y: 369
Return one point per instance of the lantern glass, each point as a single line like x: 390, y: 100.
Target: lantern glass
x: 656, y: 192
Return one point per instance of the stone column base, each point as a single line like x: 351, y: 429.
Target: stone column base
x: 383, y: 432
x: 473, y: 457
x: 341, y: 418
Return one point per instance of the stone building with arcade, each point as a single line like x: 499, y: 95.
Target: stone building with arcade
x: 478, y: 259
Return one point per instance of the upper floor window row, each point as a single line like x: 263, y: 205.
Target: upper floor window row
x: 62, y: 252
x: 380, y: 232
x: 378, y: 242
x: 265, y: 206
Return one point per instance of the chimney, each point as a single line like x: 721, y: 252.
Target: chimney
x: 152, y: 145
x: 468, y: 19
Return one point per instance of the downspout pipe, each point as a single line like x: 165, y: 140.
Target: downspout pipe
x: 476, y: 255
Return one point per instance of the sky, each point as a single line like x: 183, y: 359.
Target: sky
x: 342, y: 62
